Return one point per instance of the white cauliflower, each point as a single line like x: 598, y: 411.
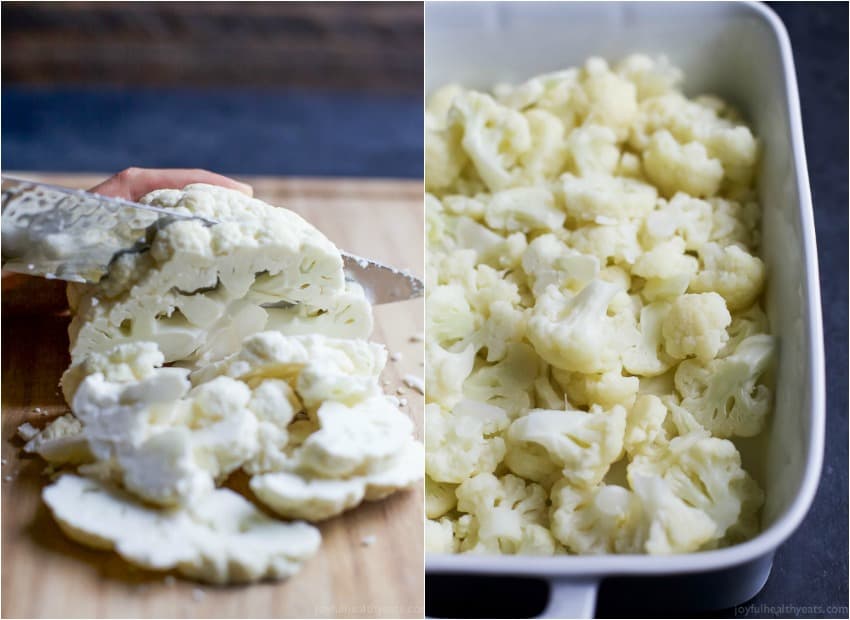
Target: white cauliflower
x: 582, y: 444
x: 593, y: 286
x: 463, y: 441
x: 599, y: 519
x: 724, y: 394
x: 696, y: 326
x: 573, y: 333
x: 503, y: 510
x: 494, y: 137
x: 674, y: 167
x: 731, y: 272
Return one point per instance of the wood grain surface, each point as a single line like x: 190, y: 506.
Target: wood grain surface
x: 365, y: 46
x: 45, y: 575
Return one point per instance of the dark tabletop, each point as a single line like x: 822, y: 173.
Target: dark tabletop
x: 238, y: 131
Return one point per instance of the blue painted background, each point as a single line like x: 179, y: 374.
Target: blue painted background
x: 274, y: 132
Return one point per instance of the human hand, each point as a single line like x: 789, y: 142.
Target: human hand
x: 23, y: 294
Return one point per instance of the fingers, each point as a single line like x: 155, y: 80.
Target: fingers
x: 133, y: 183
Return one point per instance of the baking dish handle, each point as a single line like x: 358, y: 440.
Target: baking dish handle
x: 571, y: 598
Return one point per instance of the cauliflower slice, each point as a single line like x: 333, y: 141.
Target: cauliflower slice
x: 732, y: 273
x: 315, y: 498
x: 574, y: 333
x: 463, y: 441
x: 194, y: 278
x: 724, y: 394
x: 61, y: 441
x: 221, y: 538
x: 508, y: 515
x: 582, y: 444
x: 674, y: 167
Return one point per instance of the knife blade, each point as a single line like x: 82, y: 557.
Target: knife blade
x: 71, y: 234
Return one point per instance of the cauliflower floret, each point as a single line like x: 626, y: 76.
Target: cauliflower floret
x: 446, y: 374
x: 449, y: 316
x: 724, y: 394
x: 439, y: 536
x: 732, y: 273
x: 524, y: 209
x: 611, y: 99
x: 744, y: 324
x: 545, y: 159
x: 645, y: 431
x: 688, y: 168
x: 464, y: 441
x: 667, y: 269
x: 681, y: 216
x: 646, y: 358
x: 583, y: 444
x: 559, y: 93
x: 593, y: 149
x: 735, y: 222
x: 549, y: 261
x: 605, y: 199
x: 671, y: 524
x: 573, y: 333
x: 652, y: 77
x: 507, y: 383
x: 608, y: 243
x: 600, y: 519
x: 440, y: 498
x: 502, y: 509
x: 494, y: 137
x: 704, y: 472
x: 605, y: 389
x: 696, y: 326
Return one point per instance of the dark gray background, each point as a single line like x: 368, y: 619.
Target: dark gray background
x: 810, y: 570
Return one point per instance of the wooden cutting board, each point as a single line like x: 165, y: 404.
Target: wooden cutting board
x: 46, y: 575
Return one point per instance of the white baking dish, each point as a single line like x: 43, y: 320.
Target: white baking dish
x: 738, y: 50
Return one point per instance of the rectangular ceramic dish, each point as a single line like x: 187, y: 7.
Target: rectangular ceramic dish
x: 740, y: 51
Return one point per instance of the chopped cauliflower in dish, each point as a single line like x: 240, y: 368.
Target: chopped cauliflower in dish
x: 596, y: 337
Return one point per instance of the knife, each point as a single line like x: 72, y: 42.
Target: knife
x: 71, y: 234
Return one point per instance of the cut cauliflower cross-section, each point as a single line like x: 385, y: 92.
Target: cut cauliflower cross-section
x: 221, y: 538
x: 725, y: 395
x: 195, y: 280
